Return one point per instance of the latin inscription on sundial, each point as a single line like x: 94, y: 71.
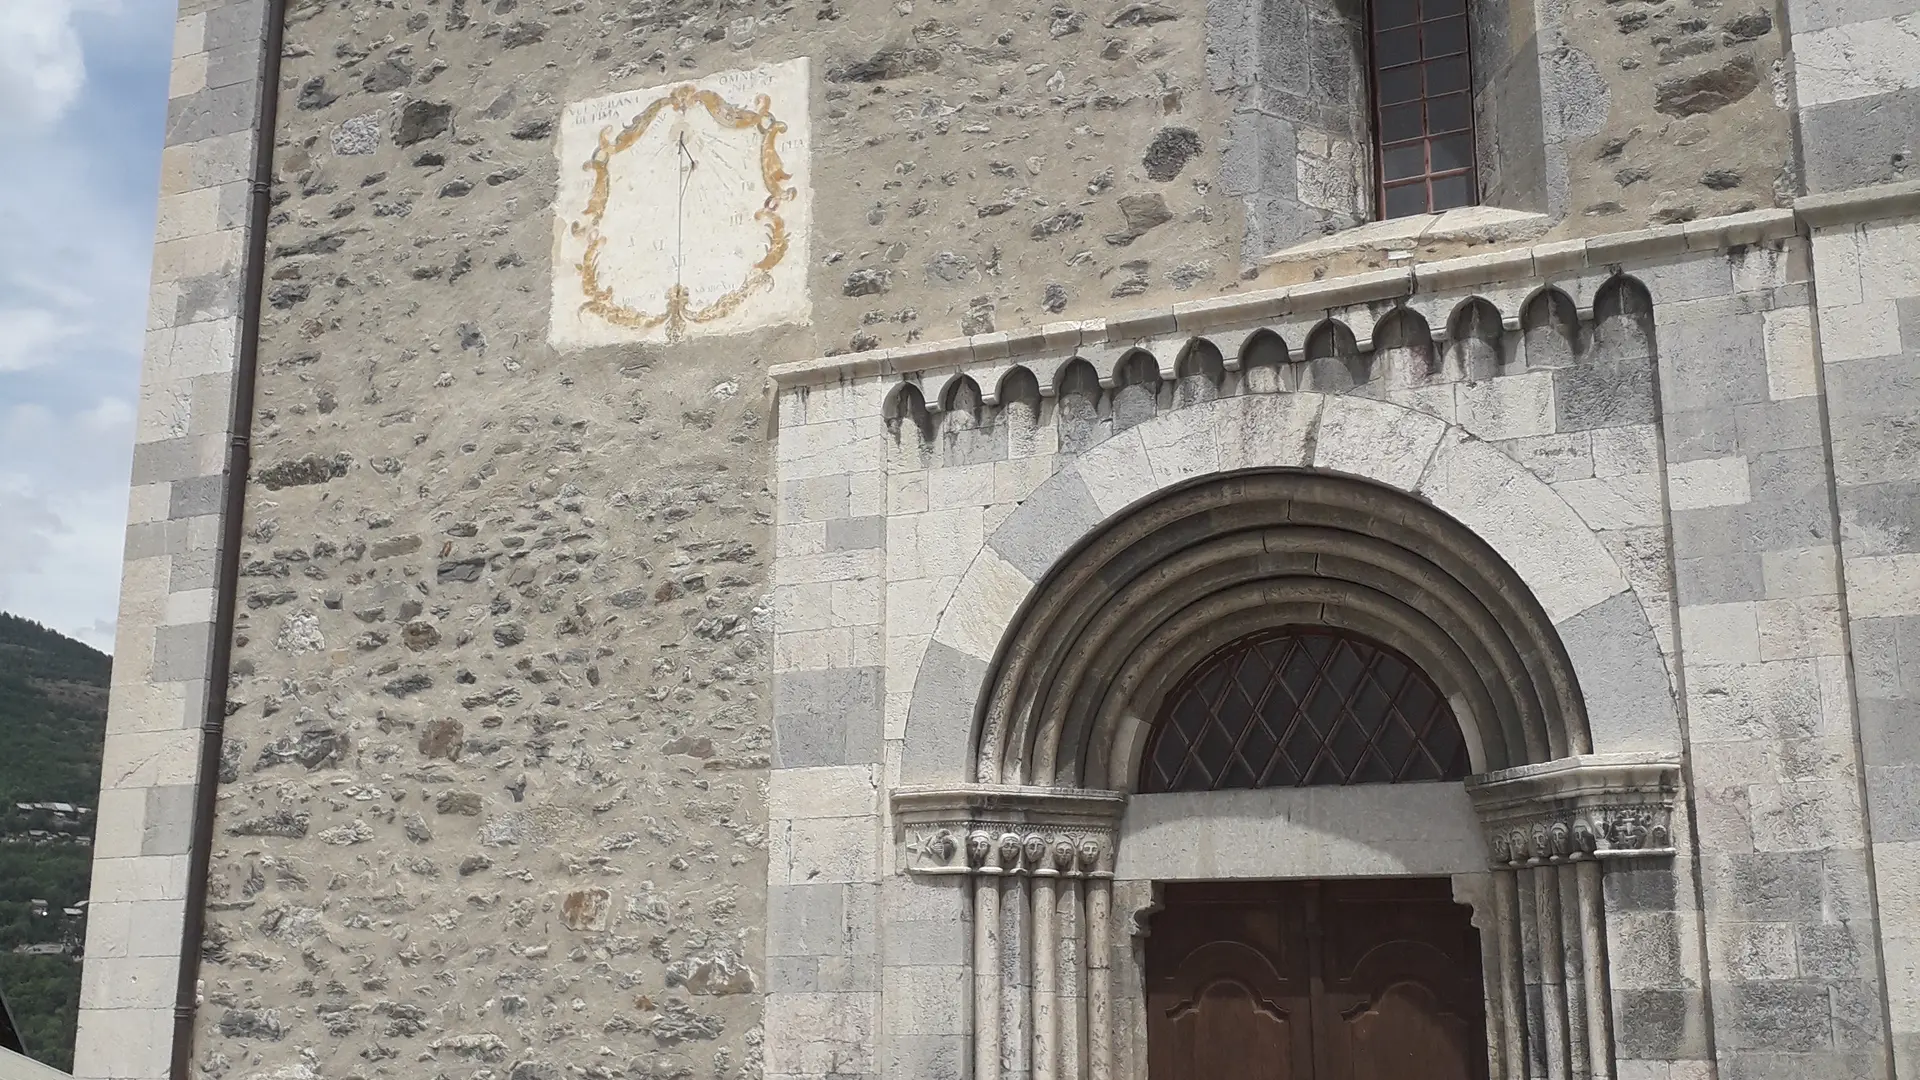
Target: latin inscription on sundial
x: 683, y: 210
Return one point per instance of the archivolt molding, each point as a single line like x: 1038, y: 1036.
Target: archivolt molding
x: 1176, y: 503
x: 1579, y: 808
x: 1090, y: 652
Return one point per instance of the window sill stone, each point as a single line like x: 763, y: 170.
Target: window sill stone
x: 1401, y: 242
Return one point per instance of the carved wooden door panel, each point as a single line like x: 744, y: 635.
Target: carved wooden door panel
x: 1398, y: 993
x: 1228, y: 986
x: 1358, y: 980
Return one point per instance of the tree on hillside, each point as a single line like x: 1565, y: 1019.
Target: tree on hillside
x: 53, y: 714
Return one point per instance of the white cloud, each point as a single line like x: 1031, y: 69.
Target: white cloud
x: 28, y: 336
x: 41, y: 65
x: 83, y: 95
x: 28, y: 527
x: 55, y: 557
x: 108, y: 418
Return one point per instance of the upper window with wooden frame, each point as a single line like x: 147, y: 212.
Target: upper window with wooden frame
x: 1423, y: 106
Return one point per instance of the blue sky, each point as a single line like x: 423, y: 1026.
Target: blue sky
x: 83, y: 100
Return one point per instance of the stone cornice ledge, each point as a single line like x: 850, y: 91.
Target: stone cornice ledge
x: 1859, y: 205
x: 1583, y: 807
x: 989, y: 829
x: 1196, y: 317
x: 1550, y: 259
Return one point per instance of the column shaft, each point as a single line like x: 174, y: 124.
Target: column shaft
x: 986, y: 978
x: 1593, y: 952
x: 1545, y: 894
x: 1099, y: 979
x: 1509, y: 976
x: 1046, y: 966
x: 1573, y: 972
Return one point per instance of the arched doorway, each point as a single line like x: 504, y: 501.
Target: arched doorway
x: 1066, y: 851
x: 1344, y: 979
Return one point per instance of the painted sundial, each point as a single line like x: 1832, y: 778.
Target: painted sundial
x: 683, y: 210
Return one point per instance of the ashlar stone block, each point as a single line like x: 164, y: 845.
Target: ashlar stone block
x: 984, y: 606
x: 1181, y: 444
x: 1115, y: 475
x: 1773, y: 699
x: 1879, y: 586
x: 1383, y: 442
x: 1267, y: 430
x: 828, y: 717
x: 1536, y: 531
x: 940, y: 722
x: 821, y: 1034
x: 1722, y: 481
x: 1051, y: 521
x: 813, y: 850
x: 1720, y: 633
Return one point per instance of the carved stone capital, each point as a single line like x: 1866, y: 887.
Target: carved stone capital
x: 997, y: 830
x: 1594, y: 806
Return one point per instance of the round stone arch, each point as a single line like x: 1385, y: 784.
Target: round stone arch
x: 1200, y: 524
x: 1160, y: 544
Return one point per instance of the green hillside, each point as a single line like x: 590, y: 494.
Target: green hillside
x: 53, y: 717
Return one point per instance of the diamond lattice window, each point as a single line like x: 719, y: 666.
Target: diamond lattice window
x: 1303, y: 706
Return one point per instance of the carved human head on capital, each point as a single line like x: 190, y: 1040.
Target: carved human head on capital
x: 979, y: 846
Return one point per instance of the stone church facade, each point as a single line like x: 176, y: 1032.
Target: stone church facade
x: 920, y: 539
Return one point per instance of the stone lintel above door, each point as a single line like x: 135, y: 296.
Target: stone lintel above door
x: 1591, y: 806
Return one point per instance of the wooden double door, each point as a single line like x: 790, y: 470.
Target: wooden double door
x: 1333, y: 980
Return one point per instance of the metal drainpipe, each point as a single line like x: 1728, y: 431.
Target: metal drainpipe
x: 213, y: 721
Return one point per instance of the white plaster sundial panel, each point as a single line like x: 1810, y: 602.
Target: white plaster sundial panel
x: 683, y: 210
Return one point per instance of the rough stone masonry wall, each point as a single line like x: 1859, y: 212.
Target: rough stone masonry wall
x: 493, y: 790
x: 1869, y: 293
x: 1666, y: 112
x: 1608, y: 116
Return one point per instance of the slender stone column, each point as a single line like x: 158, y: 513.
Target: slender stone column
x: 1551, y: 828
x: 1593, y: 952
x: 1041, y: 863
x: 1046, y: 958
x: 1531, y: 979
x: 1509, y: 976
x: 1016, y: 962
x: 986, y: 966
x: 1073, y: 994
x: 1545, y: 893
x: 1100, y: 979
x: 1573, y: 972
